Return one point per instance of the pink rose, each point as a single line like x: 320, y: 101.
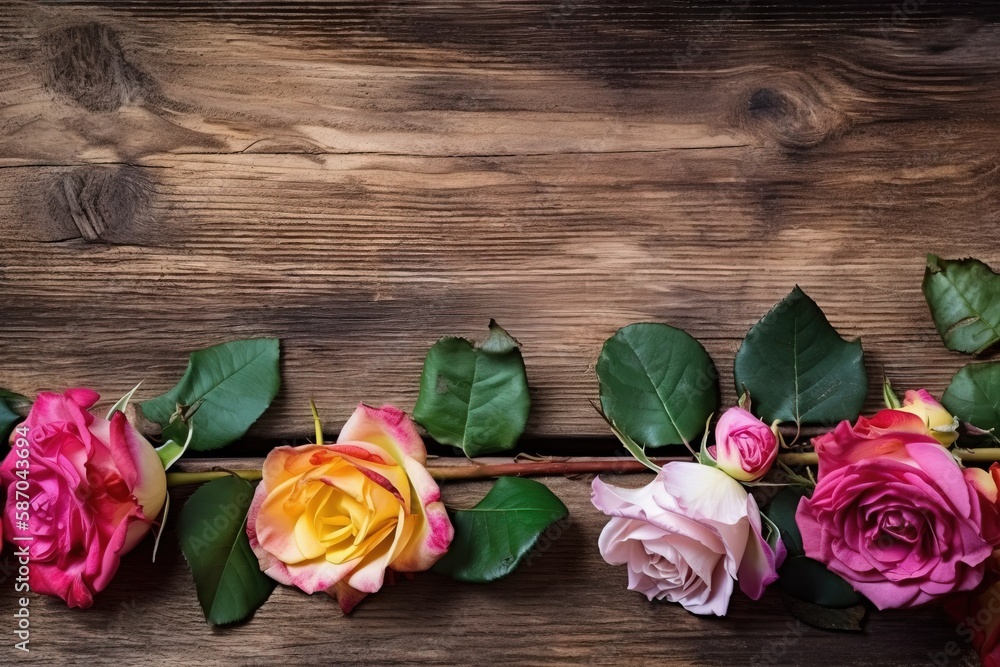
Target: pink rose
x: 686, y: 536
x: 894, y: 513
x: 745, y: 447
x: 342, y: 518
x: 93, y: 489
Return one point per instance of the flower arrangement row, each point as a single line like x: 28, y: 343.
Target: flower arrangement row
x: 878, y: 511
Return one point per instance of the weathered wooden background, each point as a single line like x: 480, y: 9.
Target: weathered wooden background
x: 360, y: 178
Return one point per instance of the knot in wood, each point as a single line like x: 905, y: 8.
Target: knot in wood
x: 102, y: 202
x: 86, y: 64
x: 795, y: 112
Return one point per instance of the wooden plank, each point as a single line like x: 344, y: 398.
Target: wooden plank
x: 360, y: 179
x: 564, y: 606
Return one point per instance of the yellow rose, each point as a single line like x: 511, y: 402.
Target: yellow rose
x: 336, y: 518
x: 942, y: 425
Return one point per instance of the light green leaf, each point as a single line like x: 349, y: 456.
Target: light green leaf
x: 637, y: 451
x: 122, y: 402
x: 964, y: 298
x: 232, y: 384
x: 160, y: 526
x: 657, y: 384
x: 974, y: 395
x: 172, y: 450
x: 474, y: 397
x: 493, y: 537
x: 798, y: 368
x: 889, y: 395
x: 212, y: 533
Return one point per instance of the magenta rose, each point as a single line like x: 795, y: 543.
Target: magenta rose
x: 745, y: 447
x: 93, y: 487
x: 895, y: 514
x: 687, y: 537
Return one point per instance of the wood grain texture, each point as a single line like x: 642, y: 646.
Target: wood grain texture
x: 362, y: 178
x: 563, y: 606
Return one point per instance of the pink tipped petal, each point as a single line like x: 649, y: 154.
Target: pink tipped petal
x: 388, y: 428
x: 85, y: 398
x: 758, y: 569
x: 434, y: 534
x: 347, y: 597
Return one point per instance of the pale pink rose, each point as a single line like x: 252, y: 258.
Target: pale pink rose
x: 895, y: 514
x: 341, y: 518
x: 94, y: 488
x: 686, y: 537
x: 745, y: 447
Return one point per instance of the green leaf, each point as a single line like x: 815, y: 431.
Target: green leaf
x: 172, y: 450
x: 232, y: 384
x: 974, y: 395
x: 798, y: 368
x: 474, y: 397
x: 809, y: 580
x: 8, y: 420
x: 212, y: 533
x: 781, y: 512
x: 849, y: 619
x: 889, y: 395
x: 801, y: 576
x: 122, y: 402
x: 494, y: 536
x: 14, y: 400
x: 657, y: 384
x: 637, y: 451
x: 964, y: 298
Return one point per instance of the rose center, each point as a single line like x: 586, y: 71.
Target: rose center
x: 895, y: 528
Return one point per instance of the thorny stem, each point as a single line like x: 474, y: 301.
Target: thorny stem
x: 613, y: 465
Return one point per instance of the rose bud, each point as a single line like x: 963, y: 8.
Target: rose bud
x: 745, y: 447
x: 941, y: 425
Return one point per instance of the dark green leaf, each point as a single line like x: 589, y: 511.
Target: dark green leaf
x: 474, y: 397
x: 494, y: 536
x: 974, y: 395
x: 800, y: 576
x: 212, y: 533
x: 964, y: 298
x: 849, y: 619
x: 781, y: 512
x: 809, y: 580
x: 798, y: 368
x: 8, y: 420
x: 231, y: 384
x: 15, y: 401
x: 658, y: 385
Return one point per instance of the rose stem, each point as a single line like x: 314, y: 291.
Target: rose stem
x: 546, y: 468
x: 185, y: 478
